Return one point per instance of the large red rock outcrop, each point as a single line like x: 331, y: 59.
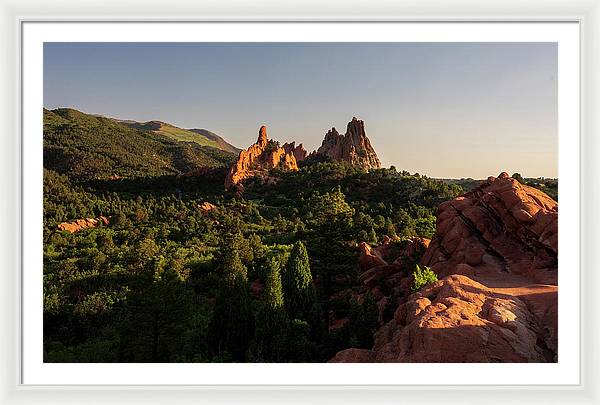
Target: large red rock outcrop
x: 501, y: 227
x: 82, y: 223
x: 353, y: 147
x: 260, y: 157
x: 457, y: 320
x: 495, y: 251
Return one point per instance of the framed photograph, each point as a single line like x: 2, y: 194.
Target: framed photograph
x: 302, y: 202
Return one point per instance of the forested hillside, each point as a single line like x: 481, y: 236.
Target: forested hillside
x: 92, y: 147
x: 160, y: 282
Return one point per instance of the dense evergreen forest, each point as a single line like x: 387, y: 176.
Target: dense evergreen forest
x: 249, y: 277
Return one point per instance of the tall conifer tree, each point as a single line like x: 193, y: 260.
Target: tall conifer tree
x: 298, y: 286
x: 231, y: 327
x: 272, y: 321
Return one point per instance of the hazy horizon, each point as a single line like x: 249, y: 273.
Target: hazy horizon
x: 446, y: 110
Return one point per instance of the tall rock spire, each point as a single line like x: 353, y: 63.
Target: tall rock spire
x: 262, y: 136
x: 353, y: 147
x: 258, y: 159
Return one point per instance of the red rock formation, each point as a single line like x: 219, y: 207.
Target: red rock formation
x: 262, y: 137
x: 298, y: 151
x: 353, y: 147
x: 500, y: 227
x: 458, y: 320
x: 496, y: 250
x: 82, y: 223
x: 259, y: 158
x: 206, y: 207
x: 369, y: 257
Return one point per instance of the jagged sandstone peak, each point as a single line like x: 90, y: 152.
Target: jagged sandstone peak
x: 262, y: 137
x: 353, y: 147
x: 298, y: 151
x: 495, y: 251
x: 259, y: 158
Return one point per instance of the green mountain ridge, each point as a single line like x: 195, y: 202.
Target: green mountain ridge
x: 86, y: 146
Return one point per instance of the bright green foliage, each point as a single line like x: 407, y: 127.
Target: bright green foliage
x: 422, y: 277
x: 157, y: 230
x: 298, y: 285
x: 330, y: 208
x: 243, y: 247
x: 99, y: 302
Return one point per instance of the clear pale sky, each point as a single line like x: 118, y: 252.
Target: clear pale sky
x: 447, y: 110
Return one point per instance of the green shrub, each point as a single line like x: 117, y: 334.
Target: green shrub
x: 422, y: 277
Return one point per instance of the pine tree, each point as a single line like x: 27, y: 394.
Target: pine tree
x: 231, y: 327
x: 363, y: 321
x: 273, y: 293
x: 236, y: 241
x: 390, y: 228
x: 298, y: 286
x: 372, y: 236
x: 271, y: 325
x: 256, y: 246
x: 233, y: 268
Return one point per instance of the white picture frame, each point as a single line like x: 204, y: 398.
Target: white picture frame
x: 17, y: 13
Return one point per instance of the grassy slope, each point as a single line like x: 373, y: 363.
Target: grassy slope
x: 201, y: 137
x: 223, y: 145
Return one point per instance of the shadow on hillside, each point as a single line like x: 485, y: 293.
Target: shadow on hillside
x: 162, y: 185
